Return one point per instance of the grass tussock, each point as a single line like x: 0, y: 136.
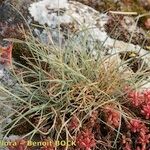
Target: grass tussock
x: 67, y: 94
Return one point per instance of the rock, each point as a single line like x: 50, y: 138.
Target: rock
x: 134, y: 61
x: 77, y: 16
x: 101, y: 5
x: 10, y: 22
x: 71, y: 18
x: 125, y: 28
x: 14, y: 19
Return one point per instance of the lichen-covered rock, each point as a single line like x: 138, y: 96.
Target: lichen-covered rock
x: 70, y: 18
x: 73, y: 17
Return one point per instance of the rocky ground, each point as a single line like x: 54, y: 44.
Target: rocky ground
x: 119, y: 34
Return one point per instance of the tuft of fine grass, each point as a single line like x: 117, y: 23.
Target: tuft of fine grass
x: 57, y: 83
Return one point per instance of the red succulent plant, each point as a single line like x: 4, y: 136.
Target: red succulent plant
x: 85, y: 139
x: 136, y: 98
x: 135, y: 125
x: 112, y: 116
x: 147, y: 96
x: 74, y: 122
x: 146, y: 110
x: 126, y: 141
x: 21, y: 144
x: 144, y: 139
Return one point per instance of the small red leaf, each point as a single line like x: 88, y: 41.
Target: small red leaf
x: 6, y: 54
